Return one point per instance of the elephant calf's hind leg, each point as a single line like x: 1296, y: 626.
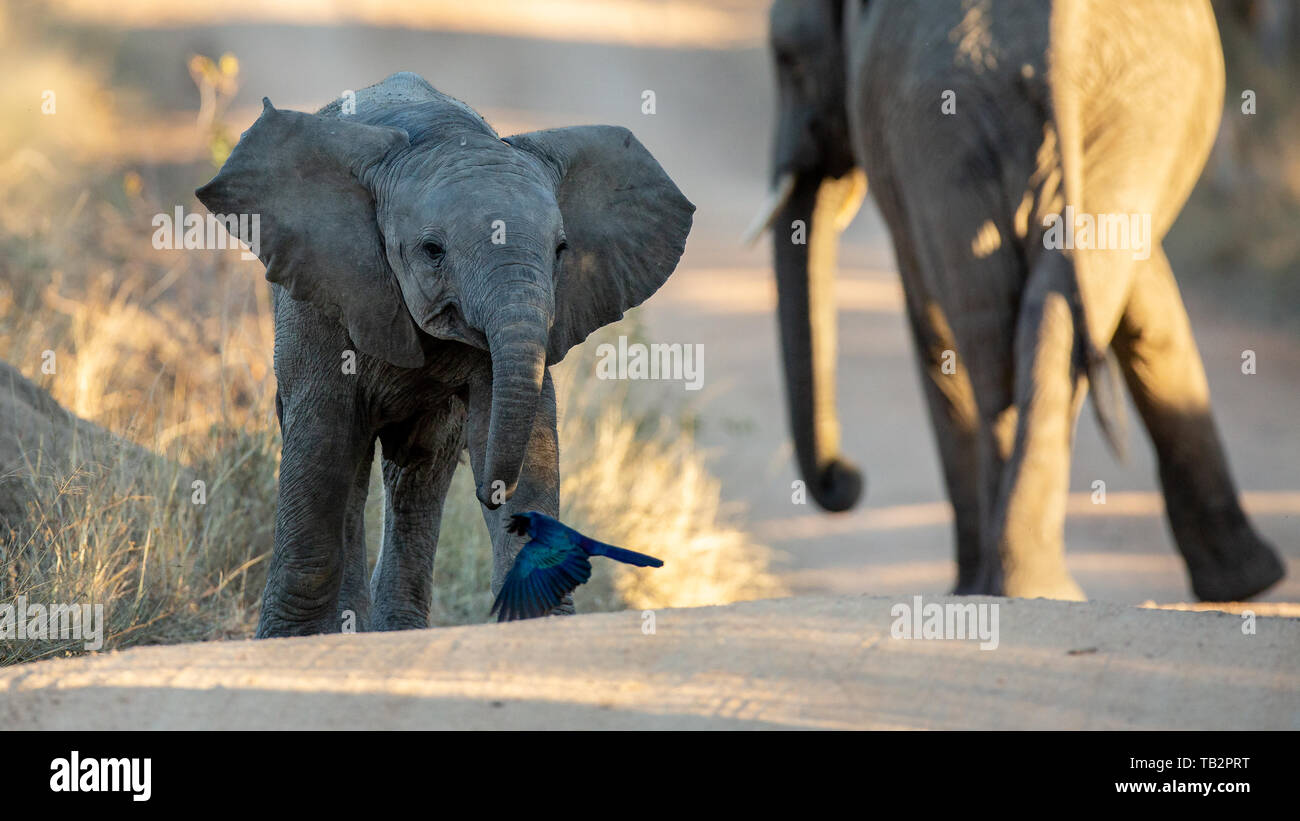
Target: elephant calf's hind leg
x: 414, y: 494
x: 354, y: 594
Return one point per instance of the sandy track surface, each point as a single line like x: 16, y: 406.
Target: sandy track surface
x: 800, y: 662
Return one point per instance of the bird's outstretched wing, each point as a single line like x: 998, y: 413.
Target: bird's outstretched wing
x: 595, y: 548
x: 551, y: 565
x: 539, y: 580
x: 551, y: 531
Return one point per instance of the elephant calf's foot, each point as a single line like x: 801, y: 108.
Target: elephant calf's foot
x: 386, y: 621
x: 1252, y: 567
x: 273, y: 627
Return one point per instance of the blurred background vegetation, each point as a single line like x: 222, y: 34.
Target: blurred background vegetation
x: 1240, y: 232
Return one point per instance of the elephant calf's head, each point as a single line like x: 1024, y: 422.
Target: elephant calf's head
x: 412, y: 218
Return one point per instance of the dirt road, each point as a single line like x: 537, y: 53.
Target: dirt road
x: 817, y: 662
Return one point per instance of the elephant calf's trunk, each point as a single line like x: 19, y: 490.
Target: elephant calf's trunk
x: 518, y: 368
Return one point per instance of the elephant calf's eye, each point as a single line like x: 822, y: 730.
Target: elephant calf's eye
x: 435, y: 251
x: 561, y: 248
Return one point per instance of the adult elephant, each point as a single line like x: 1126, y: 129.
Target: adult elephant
x: 426, y: 275
x: 987, y: 131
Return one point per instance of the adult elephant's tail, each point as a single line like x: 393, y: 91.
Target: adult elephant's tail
x: 1104, y: 383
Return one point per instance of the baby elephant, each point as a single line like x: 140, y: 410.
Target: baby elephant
x: 426, y: 274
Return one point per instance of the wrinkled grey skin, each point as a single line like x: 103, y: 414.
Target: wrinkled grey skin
x: 1107, y: 106
x: 377, y: 230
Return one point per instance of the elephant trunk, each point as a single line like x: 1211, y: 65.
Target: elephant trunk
x: 517, y: 339
x: 805, y: 274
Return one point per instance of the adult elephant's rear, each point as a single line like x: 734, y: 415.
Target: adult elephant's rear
x: 980, y: 123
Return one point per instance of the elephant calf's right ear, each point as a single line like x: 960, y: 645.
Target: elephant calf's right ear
x: 316, y: 230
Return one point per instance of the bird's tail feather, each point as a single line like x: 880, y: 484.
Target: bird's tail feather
x: 595, y: 548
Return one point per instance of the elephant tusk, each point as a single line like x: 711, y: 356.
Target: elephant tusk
x: 776, y: 200
x: 852, y: 199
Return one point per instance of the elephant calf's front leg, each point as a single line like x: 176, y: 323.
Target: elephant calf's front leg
x: 318, y: 467
x: 539, y: 484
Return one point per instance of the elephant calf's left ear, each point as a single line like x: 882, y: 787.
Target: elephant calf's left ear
x: 625, y: 221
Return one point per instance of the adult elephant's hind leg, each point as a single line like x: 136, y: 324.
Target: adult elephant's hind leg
x: 954, y: 417
x: 1029, y: 517
x: 962, y: 280
x: 1226, y: 558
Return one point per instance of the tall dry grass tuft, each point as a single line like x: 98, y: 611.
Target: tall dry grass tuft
x: 116, y: 528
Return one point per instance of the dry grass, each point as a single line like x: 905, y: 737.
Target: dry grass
x: 668, y: 503
x: 107, y: 528
x: 171, y: 351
